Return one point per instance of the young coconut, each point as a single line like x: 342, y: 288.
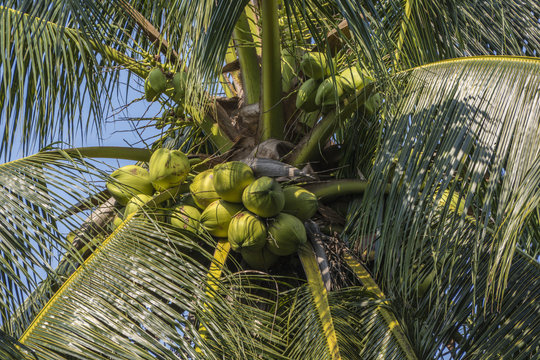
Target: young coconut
x: 230, y: 180
x: 117, y: 221
x: 136, y: 203
x: 168, y: 168
x: 264, y: 197
x: 149, y: 93
x: 246, y: 230
x: 285, y: 234
x: 202, y: 189
x: 217, y: 216
x: 329, y: 93
x: 305, y: 98
x: 157, y: 80
x: 299, y: 202
x: 314, y: 65
x: 186, y: 217
x: 259, y: 259
x: 179, y: 86
x: 128, y: 181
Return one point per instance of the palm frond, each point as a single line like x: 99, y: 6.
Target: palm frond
x: 11, y: 349
x: 35, y: 191
x: 362, y: 332
x: 409, y: 33
x: 460, y: 151
x: 147, y: 286
x: 320, y: 298
x: 50, y: 72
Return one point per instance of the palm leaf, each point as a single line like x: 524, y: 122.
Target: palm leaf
x: 445, y: 139
x: 320, y: 298
x: 35, y: 191
x: 49, y: 70
x: 406, y: 33
x: 147, y: 286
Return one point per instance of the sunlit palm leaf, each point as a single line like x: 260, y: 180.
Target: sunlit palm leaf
x: 11, y: 349
x: 35, y: 191
x: 465, y: 130
x: 146, y: 279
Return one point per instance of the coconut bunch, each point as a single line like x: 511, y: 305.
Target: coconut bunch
x: 321, y: 91
x: 157, y: 82
x: 133, y: 186
x: 260, y: 219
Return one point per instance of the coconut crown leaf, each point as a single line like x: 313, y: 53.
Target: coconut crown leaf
x: 285, y: 234
x: 264, y: 197
x: 217, y: 216
x: 202, y: 189
x: 128, y: 181
x: 185, y: 217
x: 168, y: 168
x: 247, y: 230
x: 259, y: 259
x: 230, y: 180
x: 300, y: 202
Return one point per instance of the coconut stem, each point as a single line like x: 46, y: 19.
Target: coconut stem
x: 313, y: 142
x: 336, y: 188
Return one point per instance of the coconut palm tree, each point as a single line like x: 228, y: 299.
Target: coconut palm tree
x: 426, y: 168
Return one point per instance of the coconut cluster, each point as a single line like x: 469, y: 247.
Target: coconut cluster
x: 157, y: 82
x: 261, y: 219
x: 133, y: 186
x: 323, y: 92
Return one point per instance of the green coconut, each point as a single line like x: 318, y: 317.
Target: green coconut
x: 230, y: 180
x: 352, y: 79
x: 157, y: 81
x: 285, y: 234
x: 264, y: 197
x: 314, y: 65
x: 259, y: 259
x: 186, y: 217
x: 373, y: 104
x: 149, y: 93
x: 288, y: 69
x: 127, y: 181
x: 136, y: 203
x: 202, y: 189
x: 247, y: 230
x: 168, y: 168
x: 217, y: 216
x: 305, y: 98
x: 179, y: 87
x: 117, y: 221
x: 328, y: 93
x: 300, y: 202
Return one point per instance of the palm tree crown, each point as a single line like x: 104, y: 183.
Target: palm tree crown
x: 413, y: 125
